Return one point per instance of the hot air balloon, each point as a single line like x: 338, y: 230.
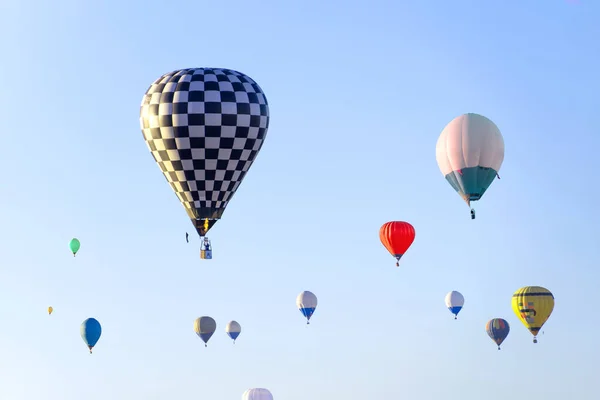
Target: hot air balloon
x: 233, y: 329
x: 204, y: 328
x: 74, y: 245
x: 470, y: 152
x: 257, y: 394
x: 204, y: 128
x: 454, y: 302
x: 50, y: 309
x: 498, y: 330
x: 397, y: 236
x: 306, y: 303
x: 533, y: 306
x: 90, y: 332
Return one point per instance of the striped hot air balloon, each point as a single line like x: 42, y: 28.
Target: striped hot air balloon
x: 533, y: 306
x: 497, y: 329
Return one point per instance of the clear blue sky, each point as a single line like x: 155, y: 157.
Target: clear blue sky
x: 359, y: 93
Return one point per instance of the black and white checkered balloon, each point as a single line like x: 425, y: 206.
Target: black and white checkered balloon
x: 204, y: 127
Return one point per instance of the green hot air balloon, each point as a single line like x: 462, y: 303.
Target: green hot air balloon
x: 74, y: 245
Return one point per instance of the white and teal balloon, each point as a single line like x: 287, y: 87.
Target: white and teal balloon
x: 257, y: 394
x: 455, y: 302
x: 233, y: 329
x: 306, y: 303
x: 470, y: 152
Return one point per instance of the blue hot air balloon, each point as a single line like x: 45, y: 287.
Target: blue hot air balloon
x: 90, y: 332
x: 498, y: 330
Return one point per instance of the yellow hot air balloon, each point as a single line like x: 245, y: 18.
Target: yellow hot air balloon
x: 50, y: 309
x: 533, y: 306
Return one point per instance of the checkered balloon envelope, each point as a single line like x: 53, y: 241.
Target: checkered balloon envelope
x: 204, y: 128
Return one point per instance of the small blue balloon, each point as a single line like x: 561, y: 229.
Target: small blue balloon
x: 90, y: 332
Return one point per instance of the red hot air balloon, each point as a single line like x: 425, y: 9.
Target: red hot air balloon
x: 397, y: 236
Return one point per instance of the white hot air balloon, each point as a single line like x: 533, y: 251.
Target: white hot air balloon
x: 470, y: 152
x: 257, y: 394
x: 455, y: 302
x: 233, y: 329
x: 306, y: 303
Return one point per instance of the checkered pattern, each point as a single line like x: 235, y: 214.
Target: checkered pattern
x: 204, y: 127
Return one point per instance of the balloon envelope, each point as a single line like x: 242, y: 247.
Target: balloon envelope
x: 497, y: 329
x: 257, y: 394
x: 306, y: 303
x: 50, y: 309
x: 469, y: 153
x: 205, y: 327
x: 204, y: 128
x: 533, y: 306
x: 90, y: 331
x: 397, y: 237
x: 74, y: 245
x: 233, y: 329
x: 455, y: 302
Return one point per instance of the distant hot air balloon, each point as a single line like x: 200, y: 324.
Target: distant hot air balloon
x: 74, y: 245
x: 204, y: 128
x: 533, y: 306
x: 50, y: 309
x: 257, y: 394
x: 233, y: 329
x: 397, y: 236
x: 454, y: 302
x: 306, y: 303
x: 470, y: 152
x: 204, y: 328
x: 90, y: 332
x: 497, y: 329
